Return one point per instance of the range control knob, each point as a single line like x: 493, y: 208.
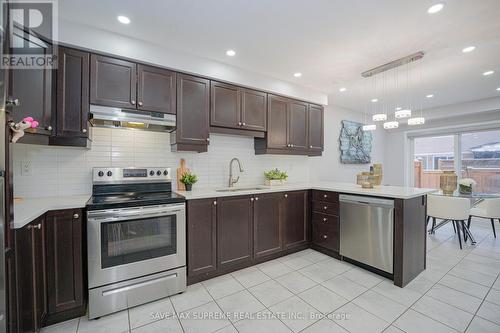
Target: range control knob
x: 165, y: 172
x: 151, y: 173
x: 109, y: 173
x: 158, y: 173
x: 100, y: 173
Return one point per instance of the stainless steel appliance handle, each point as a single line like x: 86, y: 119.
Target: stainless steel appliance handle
x: 366, y: 200
x: 138, y: 285
x: 131, y: 214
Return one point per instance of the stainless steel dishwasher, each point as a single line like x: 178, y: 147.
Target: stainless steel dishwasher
x: 367, y: 230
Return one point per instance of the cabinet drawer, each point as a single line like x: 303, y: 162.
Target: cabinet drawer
x: 325, y: 196
x: 331, y: 208
x: 326, y: 233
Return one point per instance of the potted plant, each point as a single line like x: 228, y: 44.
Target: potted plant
x: 275, y: 177
x: 465, y: 185
x: 188, y: 179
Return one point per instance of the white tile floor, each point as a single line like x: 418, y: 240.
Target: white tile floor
x: 459, y: 291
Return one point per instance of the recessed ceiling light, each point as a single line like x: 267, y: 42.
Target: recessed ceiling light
x: 488, y: 73
x: 435, y: 8
x: 429, y: 96
x: 468, y: 49
x: 399, y: 108
x: 342, y: 89
x: 123, y: 19
x: 498, y: 89
x: 231, y: 53
x: 374, y: 100
x: 298, y: 74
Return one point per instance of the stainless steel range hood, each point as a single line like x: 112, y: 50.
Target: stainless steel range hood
x: 104, y: 116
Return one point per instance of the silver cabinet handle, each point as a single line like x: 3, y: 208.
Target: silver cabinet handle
x: 251, y: 199
x: 243, y: 124
x: 208, y: 139
x: 132, y: 102
x: 256, y: 198
x: 140, y: 103
x: 291, y: 145
x: 310, y: 147
x: 49, y: 128
x: 13, y: 102
x: 325, y: 196
x: 325, y: 237
x: 215, y: 203
x: 37, y: 226
x: 325, y: 207
x: 286, y: 195
x: 325, y: 219
x: 84, y: 130
x: 239, y: 123
x: 75, y: 216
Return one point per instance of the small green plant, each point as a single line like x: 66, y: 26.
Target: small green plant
x: 188, y: 178
x: 275, y: 174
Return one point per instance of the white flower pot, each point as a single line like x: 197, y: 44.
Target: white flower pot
x: 275, y: 182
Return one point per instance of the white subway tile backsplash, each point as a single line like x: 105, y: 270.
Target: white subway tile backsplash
x: 67, y: 171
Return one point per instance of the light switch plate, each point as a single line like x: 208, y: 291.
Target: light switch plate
x: 26, y: 169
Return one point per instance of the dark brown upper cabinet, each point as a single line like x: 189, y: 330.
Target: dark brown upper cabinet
x: 201, y: 237
x: 297, y: 125
x: 315, y: 131
x: 237, y: 108
x: 155, y: 89
x: 287, y: 127
x: 267, y: 224
x: 234, y: 231
x: 193, y: 98
x: 295, y: 218
x: 72, y: 93
x: 113, y: 82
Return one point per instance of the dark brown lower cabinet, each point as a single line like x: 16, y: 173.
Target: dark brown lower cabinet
x: 325, y: 231
x: 50, y: 270
x: 65, y: 265
x: 201, y: 237
x: 31, y: 277
x: 267, y: 225
x: 234, y: 231
x: 295, y: 218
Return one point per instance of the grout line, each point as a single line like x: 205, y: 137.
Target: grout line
x: 484, y: 300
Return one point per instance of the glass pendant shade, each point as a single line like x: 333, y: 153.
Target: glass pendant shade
x: 416, y: 121
x: 391, y: 125
x: 371, y: 127
x: 406, y: 113
x: 379, y: 117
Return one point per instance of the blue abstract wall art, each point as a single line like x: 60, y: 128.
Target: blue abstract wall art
x: 355, y: 144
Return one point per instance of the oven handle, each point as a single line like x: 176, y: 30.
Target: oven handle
x: 131, y: 214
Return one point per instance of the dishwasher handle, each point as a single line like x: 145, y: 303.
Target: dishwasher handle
x: 365, y: 200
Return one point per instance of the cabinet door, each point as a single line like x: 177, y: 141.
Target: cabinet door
x: 72, y: 93
x: 201, y: 236
x: 33, y: 88
x: 295, y: 218
x: 225, y: 105
x: 30, y: 271
x: 315, y: 124
x: 113, y: 82
x: 253, y: 110
x: 297, y: 125
x: 155, y: 89
x: 65, y: 287
x: 267, y: 226
x: 234, y: 230
x: 277, y: 120
x: 193, y: 95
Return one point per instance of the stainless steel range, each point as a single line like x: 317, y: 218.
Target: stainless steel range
x: 136, y: 230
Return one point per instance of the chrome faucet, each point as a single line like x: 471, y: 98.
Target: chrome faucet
x: 233, y: 181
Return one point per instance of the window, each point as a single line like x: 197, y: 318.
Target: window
x: 432, y: 155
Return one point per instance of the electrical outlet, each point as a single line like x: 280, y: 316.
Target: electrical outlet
x: 26, y: 169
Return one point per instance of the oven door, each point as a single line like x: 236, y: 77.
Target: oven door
x: 127, y: 243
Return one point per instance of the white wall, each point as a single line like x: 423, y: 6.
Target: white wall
x: 59, y: 171
x: 328, y: 166
x: 104, y: 41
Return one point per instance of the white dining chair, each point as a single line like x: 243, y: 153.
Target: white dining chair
x: 487, y: 209
x: 456, y: 210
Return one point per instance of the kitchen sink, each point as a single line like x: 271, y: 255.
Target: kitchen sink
x: 238, y: 189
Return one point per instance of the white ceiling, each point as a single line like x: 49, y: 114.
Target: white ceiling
x: 330, y: 41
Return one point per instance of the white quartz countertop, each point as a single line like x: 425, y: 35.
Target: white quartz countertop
x: 28, y: 209
x: 396, y: 192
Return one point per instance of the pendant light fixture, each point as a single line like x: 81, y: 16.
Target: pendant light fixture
x: 391, y: 124
x: 367, y: 127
